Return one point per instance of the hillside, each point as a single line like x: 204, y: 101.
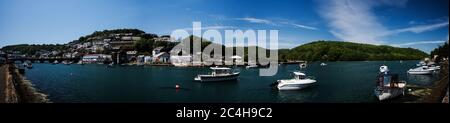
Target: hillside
x: 347, y: 51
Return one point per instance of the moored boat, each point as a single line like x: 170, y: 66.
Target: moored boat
x: 299, y: 81
x: 218, y: 74
x: 422, y: 70
x: 388, y: 85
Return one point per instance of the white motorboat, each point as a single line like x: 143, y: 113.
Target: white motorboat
x: 422, y: 70
x: 28, y: 65
x: 299, y: 81
x: 218, y: 74
x: 323, y: 64
x: 388, y: 85
x: 55, y: 62
x: 66, y: 62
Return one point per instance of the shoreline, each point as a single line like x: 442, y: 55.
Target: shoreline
x: 17, y: 88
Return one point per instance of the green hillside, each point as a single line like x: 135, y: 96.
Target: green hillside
x: 347, y: 51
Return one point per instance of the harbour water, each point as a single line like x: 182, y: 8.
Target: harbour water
x: 338, y: 82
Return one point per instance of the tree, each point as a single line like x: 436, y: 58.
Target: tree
x: 144, y: 45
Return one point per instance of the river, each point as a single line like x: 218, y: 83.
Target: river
x: 338, y: 82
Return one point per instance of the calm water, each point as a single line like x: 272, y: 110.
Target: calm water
x: 338, y: 82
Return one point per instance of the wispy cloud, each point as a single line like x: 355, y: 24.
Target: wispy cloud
x: 422, y: 28
x: 353, y: 20
x: 295, y: 25
x: 419, y: 43
x: 210, y: 28
x: 270, y: 22
x: 255, y: 20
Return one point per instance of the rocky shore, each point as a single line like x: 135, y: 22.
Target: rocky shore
x: 15, y: 88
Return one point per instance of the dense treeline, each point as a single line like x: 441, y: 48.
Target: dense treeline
x: 347, y: 51
x: 106, y: 33
x: 441, y: 52
x: 27, y: 49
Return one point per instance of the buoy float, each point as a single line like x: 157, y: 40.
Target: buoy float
x: 177, y: 86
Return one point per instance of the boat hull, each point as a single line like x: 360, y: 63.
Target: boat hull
x: 288, y: 87
x: 220, y: 78
x: 413, y: 72
x: 388, y: 93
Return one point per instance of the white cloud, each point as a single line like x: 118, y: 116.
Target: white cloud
x: 256, y: 20
x: 265, y: 21
x: 353, y: 20
x: 303, y: 26
x: 211, y: 28
x: 422, y: 28
x: 419, y: 43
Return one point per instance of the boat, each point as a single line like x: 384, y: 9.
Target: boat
x: 323, y: 64
x: 303, y: 65
x: 218, y: 74
x: 388, y: 85
x: 251, y: 66
x: 80, y: 62
x: 422, y: 70
x: 299, y: 81
x: 28, y: 65
x: 66, y: 62
x: 110, y: 65
x: 55, y: 62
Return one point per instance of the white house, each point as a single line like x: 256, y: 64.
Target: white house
x: 96, y: 58
x: 162, y: 57
x: 181, y: 61
x: 147, y: 59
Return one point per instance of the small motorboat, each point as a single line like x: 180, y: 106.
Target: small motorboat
x: 422, y: 70
x: 299, y: 81
x: 388, y: 85
x: 251, y: 66
x: 323, y: 64
x: 28, y: 65
x: 55, y: 62
x: 218, y: 74
x: 66, y: 62
x: 303, y: 65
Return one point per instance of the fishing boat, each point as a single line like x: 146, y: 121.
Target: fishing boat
x: 388, y: 85
x: 218, y: 74
x: 299, y: 81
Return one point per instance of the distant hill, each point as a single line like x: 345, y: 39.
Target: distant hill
x: 348, y: 51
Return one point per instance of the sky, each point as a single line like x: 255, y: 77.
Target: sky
x: 418, y: 24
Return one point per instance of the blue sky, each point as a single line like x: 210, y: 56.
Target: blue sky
x: 405, y: 23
